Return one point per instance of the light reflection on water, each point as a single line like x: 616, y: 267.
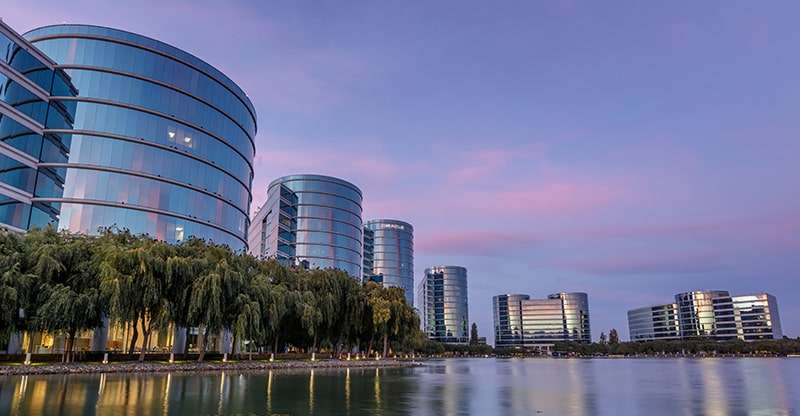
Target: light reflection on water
x: 448, y: 387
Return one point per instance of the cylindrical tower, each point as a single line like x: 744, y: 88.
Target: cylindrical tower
x: 161, y: 143
x: 444, y: 304
x: 393, y: 254
x: 575, y: 309
x: 316, y: 222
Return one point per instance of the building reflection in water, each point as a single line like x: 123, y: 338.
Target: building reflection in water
x: 453, y: 387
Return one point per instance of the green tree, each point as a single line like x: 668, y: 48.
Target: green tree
x: 72, y: 300
x: 613, y: 337
x: 602, y: 338
x: 206, y: 309
x: 135, y: 280
x: 473, y: 334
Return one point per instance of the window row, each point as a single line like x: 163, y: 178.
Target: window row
x: 121, y: 88
x: 325, y: 251
x: 104, y: 54
x: 328, y: 212
x: 315, y: 237
x: 13, y: 212
x: 135, y: 190
x: 87, y: 218
x: 315, y: 224
x: 159, y: 130
x: 102, y: 151
x: 324, y: 186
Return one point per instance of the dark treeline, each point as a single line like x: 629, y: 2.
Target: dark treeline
x: 64, y: 283
x: 780, y: 347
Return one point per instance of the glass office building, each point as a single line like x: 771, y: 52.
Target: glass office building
x: 507, y: 314
x: 443, y: 304
x: 658, y: 322
x: 392, y: 253
x: 28, y: 82
x: 708, y: 314
x: 101, y: 127
x: 311, y: 221
x: 522, y: 322
x: 159, y: 141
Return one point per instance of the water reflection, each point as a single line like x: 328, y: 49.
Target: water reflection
x: 451, y: 387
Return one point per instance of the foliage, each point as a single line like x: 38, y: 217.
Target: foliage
x: 65, y: 283
x: 473, y: 334
x: 613, y: 337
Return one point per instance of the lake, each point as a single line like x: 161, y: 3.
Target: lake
x: 757, y: 386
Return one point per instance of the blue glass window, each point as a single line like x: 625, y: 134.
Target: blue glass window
x: 16, y: 174
x: 155, y: 129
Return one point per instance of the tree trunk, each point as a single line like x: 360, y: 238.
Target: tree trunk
x: 314, y: 345
x: 233, y: 343
x: 147, y: 331
x: 385, y: 344
x: 134, y: 337
x: 30, y: 342
x: 201, y: 342
x: 369, y: 346
x: 186, y: 341
x: 275, y: 347
x: 68, y: 346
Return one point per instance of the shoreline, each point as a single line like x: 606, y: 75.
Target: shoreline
x: 184, y: 367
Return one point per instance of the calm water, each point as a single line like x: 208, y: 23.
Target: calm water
x: 449, y: 387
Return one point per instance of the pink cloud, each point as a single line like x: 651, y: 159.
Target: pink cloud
x: 477, y: 243
x: 628, y: 263
x: 483, y: 164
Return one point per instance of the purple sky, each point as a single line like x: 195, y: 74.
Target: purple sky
x: 630, y: 151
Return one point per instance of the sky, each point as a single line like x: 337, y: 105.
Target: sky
x: 631, y: 150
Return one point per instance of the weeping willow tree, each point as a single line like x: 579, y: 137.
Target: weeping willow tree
x: 70, y: 289
x: 64, y: 283
x: 135, y: 280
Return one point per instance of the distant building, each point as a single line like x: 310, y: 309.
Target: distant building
x: 310, y: 221
x: 654, y: 322
x: 708, y: 314
x: 389, y: 252
x: 369, y: 255
x: 522, y: 322
x: 442, y: 297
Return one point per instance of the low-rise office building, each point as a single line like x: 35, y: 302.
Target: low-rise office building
x: 522, y: 322
x: 708, y: 314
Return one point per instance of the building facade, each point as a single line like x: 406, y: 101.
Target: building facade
x: 522, y: 322
x: 29, y: 81
x: 443, y: 304
x: 160, y: 142
x: 708, y: 314
x: 105, y: 128
x: 658, y: 322
x: 312, y: 221
x: 392, y: 253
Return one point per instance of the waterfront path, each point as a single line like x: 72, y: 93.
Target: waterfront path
x: 193, y: 366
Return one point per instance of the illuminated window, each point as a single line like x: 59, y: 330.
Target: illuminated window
x: 179, y: 233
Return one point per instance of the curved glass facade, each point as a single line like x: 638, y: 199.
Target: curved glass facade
x: 393, y: 254
x: 27, y: 80
x: 444, y: 306
x: 158, y: 141
x: 310, y: 220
